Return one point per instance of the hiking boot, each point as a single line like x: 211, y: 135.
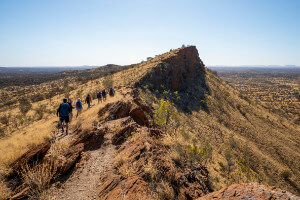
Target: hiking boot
x: 67, y: 132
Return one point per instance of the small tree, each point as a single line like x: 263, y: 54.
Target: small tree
x: 165, y: 115
x: 40, y: 111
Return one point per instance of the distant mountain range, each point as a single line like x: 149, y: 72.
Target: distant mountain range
x: 43, y: 69
x: 257, y: 68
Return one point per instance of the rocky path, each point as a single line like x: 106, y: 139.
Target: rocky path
x: 83, y: 183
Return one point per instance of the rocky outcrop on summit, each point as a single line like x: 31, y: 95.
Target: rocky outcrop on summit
x: 176, y: 70
x: 251, y: 191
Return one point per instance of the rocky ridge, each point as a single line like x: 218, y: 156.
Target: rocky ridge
x: 142, y: 167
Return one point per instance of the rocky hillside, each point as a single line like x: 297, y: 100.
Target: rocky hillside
x: 177, y: 132
x: 250, y: 191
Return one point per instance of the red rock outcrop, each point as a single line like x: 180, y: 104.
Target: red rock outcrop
x: 34, y: 154
x: 137, y: 111
x: 177, y: 70
x: 250, y: 191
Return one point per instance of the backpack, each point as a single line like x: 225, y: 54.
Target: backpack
x: 78, y: 105
x: 64, y: 109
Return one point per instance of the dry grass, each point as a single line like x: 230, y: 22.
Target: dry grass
x: 124, y: 166
x: 37, y: 132
x: 38, y: 177
x: 59, y: 147
x: 119, y: 160
x: 151, y: 170
x: 4, y: 190
x: 12, y: 147
x: 128, y: 169
x: 165, y: 191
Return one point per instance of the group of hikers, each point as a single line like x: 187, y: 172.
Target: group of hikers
x: 65, y: 114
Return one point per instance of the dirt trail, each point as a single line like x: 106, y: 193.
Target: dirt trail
x: 83, y: 183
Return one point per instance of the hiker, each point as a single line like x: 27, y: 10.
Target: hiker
x: 99, y: 96
x: 64, y: 111
x: 78, y: 107
x: 104, y: 95
x: 71, y: 108
x: 88, y: 100
x: 111, y: 92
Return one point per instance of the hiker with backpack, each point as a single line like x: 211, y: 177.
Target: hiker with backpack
x: 78, y: 107
x: 104, y: 95
x: 88, y: 100
x: 99, y: 96
x: 111, y: 92
x: 63, y: 112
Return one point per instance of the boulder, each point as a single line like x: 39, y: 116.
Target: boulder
x: 139, y: 116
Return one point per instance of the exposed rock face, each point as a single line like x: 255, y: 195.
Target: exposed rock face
x: 137, y: 111
x: 176, y: 71
x: 251, y: 191
x: 32, y: 155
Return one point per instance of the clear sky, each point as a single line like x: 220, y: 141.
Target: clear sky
x: 90, y: 32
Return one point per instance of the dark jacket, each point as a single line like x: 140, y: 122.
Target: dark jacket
x: 63, y: 110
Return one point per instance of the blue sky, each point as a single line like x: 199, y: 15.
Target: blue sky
x: 90, y: 32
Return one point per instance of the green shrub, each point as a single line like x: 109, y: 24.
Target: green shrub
x: 232, y: 142
x: 166, y: 115
x: 5, y: 119
x: 24, y: 105
x: 286, y: 174
x: 40, y: 111
x: 2, y: 132
x: 222, y: 167
x: 20, y: 119
x: 199, y: 154
x: 37, y: 97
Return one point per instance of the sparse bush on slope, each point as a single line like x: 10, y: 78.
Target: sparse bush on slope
x: 24, y: 105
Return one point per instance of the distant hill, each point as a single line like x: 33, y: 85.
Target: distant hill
x: 24, y: 76
x: 28, y: 70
